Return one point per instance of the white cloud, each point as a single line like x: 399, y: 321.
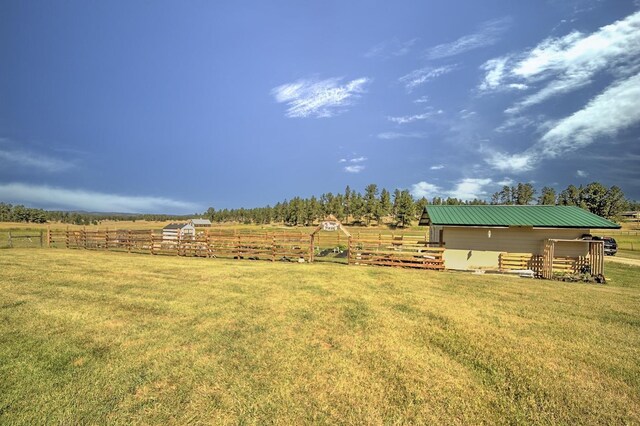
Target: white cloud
x: 358, y: 160
x: 421, y: 100
x: 560, y: 65
x: 581, y: 173
x: 354, y: 168
x: 467, y: 114
x: 420, y: 76
x: 615, y: 109
x: 323, y: 98
x: 342, y: 160
x: 29, y: 160
x: 411, y: 118
x: 424, y: 189
x: 469, y: 189
x: 518, y: 86
x: 507, y: 181
x: 612, y: 111
x: 464, y: 189
x: 488, y: 33
x: 78, y: 199
x: 393, y: 47
x: 398, y: 135
x: 512, y: 163
x: 437, y: 167
x: 495, y: 73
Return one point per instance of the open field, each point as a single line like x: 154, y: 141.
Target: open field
x: 102, y: 337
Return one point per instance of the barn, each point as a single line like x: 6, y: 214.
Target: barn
x: 200, y: 223
x: 173, y: 230
x: 545, y: 239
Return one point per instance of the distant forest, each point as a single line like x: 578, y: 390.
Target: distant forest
x: 374, y: 206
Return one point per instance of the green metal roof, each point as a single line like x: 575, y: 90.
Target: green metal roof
x: 536, y: 216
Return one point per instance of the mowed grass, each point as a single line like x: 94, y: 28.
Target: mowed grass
x: 99, y: 337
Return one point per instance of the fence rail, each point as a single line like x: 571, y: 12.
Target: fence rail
x: 561, y: 264
x: 258, y: 246
x: 399, y: 251
x: 410, y: 251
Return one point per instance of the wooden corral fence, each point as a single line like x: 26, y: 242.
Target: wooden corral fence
x: 396, y: 250
x: 271, y: 246
x: 366, y: 249
x: 28, y: 239
x: 548, y: 264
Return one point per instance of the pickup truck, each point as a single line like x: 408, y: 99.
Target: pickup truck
x: 610, y: 244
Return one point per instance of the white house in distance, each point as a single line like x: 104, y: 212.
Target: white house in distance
x: 200, y: 223
x: 172, y: 230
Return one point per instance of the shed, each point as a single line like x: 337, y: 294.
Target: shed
x: 508, y: 237
x: 173, y: 230
x: 200, y: 223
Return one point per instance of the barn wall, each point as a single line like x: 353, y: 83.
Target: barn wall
x: 472, y: 248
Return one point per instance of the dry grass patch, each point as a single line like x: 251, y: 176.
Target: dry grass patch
x: 96, y: 337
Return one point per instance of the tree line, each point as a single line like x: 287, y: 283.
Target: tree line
x: 20, y: 213
x: 352, y: 207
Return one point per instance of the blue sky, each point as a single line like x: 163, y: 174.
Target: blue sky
x: 177, y: 106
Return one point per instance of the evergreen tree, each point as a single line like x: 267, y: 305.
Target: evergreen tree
x: 404, y: 208
x: 524, y: 194
x: 371, y: 202
x: 547, y: 196
x: 385, y: 203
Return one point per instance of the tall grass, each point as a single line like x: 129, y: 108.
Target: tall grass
x: 98, y: 337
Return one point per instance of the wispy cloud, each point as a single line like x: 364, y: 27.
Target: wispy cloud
x: 464, y: 189
x: 358, y: 160
x: 357, y: 168
x: 615, y: 109
x: 400, y: 135
x: 354, y: 164
x: 389, y: 48
x: 488, y: 33
x: 495, y: 69
x: 416, y: 117
x: 612, y: 111
x: 421, y: 100
x: 516, y: 163
x: 507, y: 181
x: 437, y: 167
x: 78, y: 199
x: 564, y: 64
x: 30, y: 160
x: 581, y: 173
x: 319, y: 98
x: 423, y: 75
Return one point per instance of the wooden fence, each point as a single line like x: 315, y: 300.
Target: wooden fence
x: 401, y: 251
x: 258, y: 246
x: 561, y: 265
x: 368, y: 249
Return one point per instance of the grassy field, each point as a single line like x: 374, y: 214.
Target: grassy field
x: 99, y: 337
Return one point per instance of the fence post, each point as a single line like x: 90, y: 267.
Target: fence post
x: 349, y: 249
x: 66, y: 237
x: 41, y: 238
x: 10, y: 240
x: 151, y: 242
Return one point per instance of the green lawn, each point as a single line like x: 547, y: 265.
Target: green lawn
x: 101, y: 337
